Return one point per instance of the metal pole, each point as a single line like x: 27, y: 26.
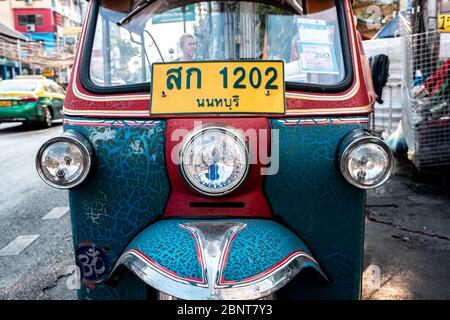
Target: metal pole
x: 184, y: 18
x: 19, y: 56
x: 432, y: 15
x: 434, y: 35
x: 106, y: 51
x: 58, y: 53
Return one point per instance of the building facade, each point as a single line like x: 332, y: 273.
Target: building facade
x: 10, y: 64
x: 6, y: 13
x: 44, y: 20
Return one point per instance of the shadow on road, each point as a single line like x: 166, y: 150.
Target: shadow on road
x: 407, y: 238
x: 6, y: 128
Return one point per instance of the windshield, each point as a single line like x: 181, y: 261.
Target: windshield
x: 305, y: 36
x: 21, y: 86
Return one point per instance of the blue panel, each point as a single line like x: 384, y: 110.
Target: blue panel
x: 310, y: 195
x: 390, y: 29
x: 170, y: 246
x: 128, y: 187
x: 255, y: 249
x: 260, y: 246
x: 129, y: 287
x: 47, y: 37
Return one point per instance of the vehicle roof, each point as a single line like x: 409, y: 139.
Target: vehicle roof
x: 29, y: 77
x: 389, y: 29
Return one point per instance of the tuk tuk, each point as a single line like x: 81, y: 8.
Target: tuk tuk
x: 217, y: 150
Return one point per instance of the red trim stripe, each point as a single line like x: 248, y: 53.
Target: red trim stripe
x: 165, y: 270
x: 268, y: 271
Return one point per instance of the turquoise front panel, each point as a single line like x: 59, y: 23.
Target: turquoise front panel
x: 310, y: 196
x: 259, y: 246
x: 127, y: 190
x: 170, y: 246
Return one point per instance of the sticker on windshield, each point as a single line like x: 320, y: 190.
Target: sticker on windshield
x: 316, y: 51
x: 317, y: 58
x: 312, y: 31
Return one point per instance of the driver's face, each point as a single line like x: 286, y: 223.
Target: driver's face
x: 189, y: 47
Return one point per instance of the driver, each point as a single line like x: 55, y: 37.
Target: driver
x: 188, y: 45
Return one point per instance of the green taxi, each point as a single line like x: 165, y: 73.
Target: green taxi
x: 31, y: 99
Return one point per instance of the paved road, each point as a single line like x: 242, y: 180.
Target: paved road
x: 408, y: 238
x: 24, y: 201
x: 407, y: 231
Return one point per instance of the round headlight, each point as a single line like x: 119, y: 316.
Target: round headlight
x: 367, y: 162
x: 64, y: 162
x: 214, y: 161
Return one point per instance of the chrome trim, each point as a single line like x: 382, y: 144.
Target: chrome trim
x: 232, y: 132
x: 70, y: 137
x: 359, y: 137
x: 214, y: 239
x: 166, y: 297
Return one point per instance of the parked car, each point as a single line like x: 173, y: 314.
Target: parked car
x: 31, y: 99
x: 390, y: 29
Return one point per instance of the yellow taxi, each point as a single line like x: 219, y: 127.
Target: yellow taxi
x: 31, y: 99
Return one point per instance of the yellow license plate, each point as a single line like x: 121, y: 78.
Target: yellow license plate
x: 5, y: 103
x: 217, y: 87
x: 444, y: 23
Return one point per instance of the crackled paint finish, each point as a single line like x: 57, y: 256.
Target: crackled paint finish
x: 258, y: 247
x: 127, y: 190
x: 310, y: 195
x: 129, y: 287
x: 170, y: 246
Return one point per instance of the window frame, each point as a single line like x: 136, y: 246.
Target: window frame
x: 90, y: 86
x: 39, y: 20
x: 22, y: 19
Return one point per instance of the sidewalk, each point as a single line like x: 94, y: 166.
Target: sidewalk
x: 407, y: 240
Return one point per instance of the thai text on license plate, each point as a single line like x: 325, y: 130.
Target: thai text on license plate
x: 218, y: 87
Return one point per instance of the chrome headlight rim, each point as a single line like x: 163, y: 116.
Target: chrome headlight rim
x: 364, y: 137
x: 191, y: 137
x: 86, y: 149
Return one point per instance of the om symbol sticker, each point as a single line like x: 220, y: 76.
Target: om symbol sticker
x: 92, y: 263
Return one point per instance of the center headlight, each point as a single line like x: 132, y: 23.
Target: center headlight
x: 214, y: 161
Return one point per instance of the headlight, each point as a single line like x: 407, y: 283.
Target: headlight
x: 214, y: 160
x: 64, y: 162
x: 366, y: 161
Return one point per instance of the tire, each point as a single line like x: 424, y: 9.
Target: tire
x: 48, y: 118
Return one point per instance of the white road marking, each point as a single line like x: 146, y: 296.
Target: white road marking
x: 19, y: 244
x: 56, y: 213
x: 427, y: 200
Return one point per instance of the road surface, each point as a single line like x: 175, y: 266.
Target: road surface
x: 36, y: 252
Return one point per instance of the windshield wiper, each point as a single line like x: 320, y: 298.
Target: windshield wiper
x: 138, y: 9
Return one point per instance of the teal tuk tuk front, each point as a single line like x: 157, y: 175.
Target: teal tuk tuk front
x: 217, y: 150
